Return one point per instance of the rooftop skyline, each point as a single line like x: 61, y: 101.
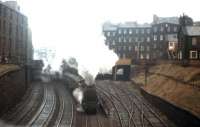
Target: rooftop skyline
x: 74, y: 28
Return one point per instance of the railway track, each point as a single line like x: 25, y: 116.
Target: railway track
x: 21, y: 114
x: 140, y: 114
x: 66, y: 109
x: 45, y: 112
x: 123, y: 113
x: 151, y: 114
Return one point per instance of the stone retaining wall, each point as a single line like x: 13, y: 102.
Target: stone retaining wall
x: 181, y: 117
x: 12, y: 89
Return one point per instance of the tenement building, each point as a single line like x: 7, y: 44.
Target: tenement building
x: 15, y: 41
x: 137, y: 42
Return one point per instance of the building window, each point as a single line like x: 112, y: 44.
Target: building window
x: 136, y: 39
x: 124, y: 39
x: 148, y: 31
x: 141, y: 56
x: 175, y: 29
x: 148, y: 39
x: 124, y: 48
x: 130, y: 31
x: 119, y: 48
x: 108, y: 34
x: 147, y: 56
x: 161, y: 28
x: 124, y: 55
x: 136, y: 48
x: 161, y: 37
x: 154, y: 37
x: 154, y: 46
x: 136, y: 31
x: 4, y: 26
x: 142, y: 39
x: 142, y: 48
x: 194, y: 41
x: 130, y: 39
x: 113, y: 33
x: 129, y: 48
x: 113, y: 42
x: 193, y: 55
x: 120, y: 40
x: 119, y: 31
x: 175, y: 36
x: 142, y: 31
x: 125, y: 31
x: 168, y: 29
x: 5, y: 12
x: 155, y: 29
x: 148, y: 48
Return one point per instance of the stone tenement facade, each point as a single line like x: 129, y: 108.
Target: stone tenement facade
x: 134, y: 41
x: 15, y: 36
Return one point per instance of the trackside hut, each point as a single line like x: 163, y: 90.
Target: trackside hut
x: 122, y: 70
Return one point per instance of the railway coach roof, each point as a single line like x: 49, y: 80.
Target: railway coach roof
x: 6, y: 68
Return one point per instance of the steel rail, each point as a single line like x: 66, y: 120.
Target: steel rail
x: 111, y: 100
x: 48, y: 104
x: 61, y: 112
x: 123, y: 105
x: 148, y: 107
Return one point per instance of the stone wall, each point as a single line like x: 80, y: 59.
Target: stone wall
x: 12, y: 89
x: 181, y: 117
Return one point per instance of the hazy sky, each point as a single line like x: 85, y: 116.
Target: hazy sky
x: 74, y: 27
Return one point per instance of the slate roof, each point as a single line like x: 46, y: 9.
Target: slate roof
x: 192, y: 30
x: 111, y: 27
x: 172, y: 20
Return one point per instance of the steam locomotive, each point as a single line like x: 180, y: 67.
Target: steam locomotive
x: 84, y: 94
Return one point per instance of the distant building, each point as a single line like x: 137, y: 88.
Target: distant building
x: 15, y: 37
x: 12, y: 4
x: 143, y: 41
x: 189, y: 40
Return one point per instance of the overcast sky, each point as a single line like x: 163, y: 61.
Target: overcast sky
x: 74, y: 27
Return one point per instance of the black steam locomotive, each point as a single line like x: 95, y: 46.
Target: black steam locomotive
x: 89, y: 99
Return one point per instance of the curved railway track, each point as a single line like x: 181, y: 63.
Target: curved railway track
x: 45, y: 113
x: 66, y: 109
x: 146, y: 107
x: 139, y: 113
x: 119, y: 107
x: 27, y: 107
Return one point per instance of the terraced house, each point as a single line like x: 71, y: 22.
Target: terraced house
x: 189, y: 40
x: 138, y: 42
